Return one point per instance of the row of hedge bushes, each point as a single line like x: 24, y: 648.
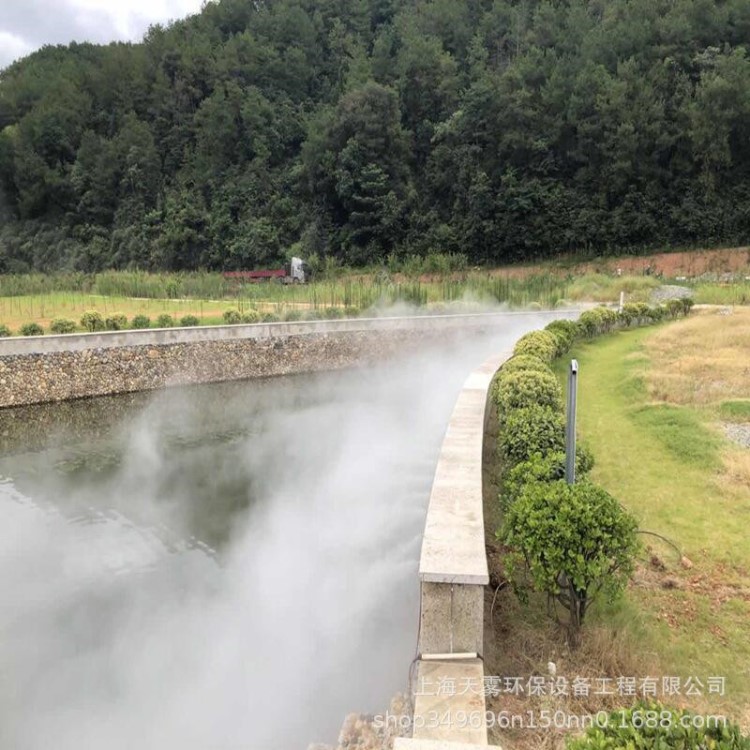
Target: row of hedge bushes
x: 94, y: 321
x: 570, y: 542
x: 573, y: 543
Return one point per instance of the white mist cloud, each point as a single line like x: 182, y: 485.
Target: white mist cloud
x: 111, y: 637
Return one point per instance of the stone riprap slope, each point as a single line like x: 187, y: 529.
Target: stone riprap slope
x: 58, y: 368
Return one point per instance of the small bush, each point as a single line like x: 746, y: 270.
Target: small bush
x: 116, y: 322
x: 525, y: 363
x: 4, y: 331
x: 333, y: 313
x: 549, y: 468
x: 566, y: 332
x: 652, y: 726
x: 189, y: 321
x: 524, y: 388
x: 687, y: 305
x: 541, y: 344
x: 269, y: 318
x: 165, y: 321
x: 575, y: 541
x: 31, y: 329
x: 534, y: 429
x: 351, y: 312
x: 232, y: 317
x: 630, y: 313
x: 140, y: 322
x: 591, y: 323
x: 251, y: 316
x: 62, y: 325
x: 92, y: 321
x: 292, y: 315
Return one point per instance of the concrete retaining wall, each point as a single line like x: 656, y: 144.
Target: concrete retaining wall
x: 57, y: 368
x: 453, y: 573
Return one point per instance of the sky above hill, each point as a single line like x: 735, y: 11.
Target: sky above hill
x: 26, y: 25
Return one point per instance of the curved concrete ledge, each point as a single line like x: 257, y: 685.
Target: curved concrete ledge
x: 453, y: 573
x: 453, y: 548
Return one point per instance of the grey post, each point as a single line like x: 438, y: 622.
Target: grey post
x: 570, y: 429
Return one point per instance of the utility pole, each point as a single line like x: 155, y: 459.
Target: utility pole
x: 570, y: 428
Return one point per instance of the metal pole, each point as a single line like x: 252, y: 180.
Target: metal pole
x: 570, y: 428
x: 622, y: 301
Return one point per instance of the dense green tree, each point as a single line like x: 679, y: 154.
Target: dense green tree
x: 503, y: 129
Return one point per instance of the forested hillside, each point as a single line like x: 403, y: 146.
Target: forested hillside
x: 502, y: 129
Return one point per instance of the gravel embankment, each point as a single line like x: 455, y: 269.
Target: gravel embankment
x: 668, y: 292
x: 738, y: 433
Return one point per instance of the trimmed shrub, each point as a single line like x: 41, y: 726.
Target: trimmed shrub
x: 232, y: 317
x: 333, y: 313
x: 608, y: 317
x: 189, y: 321
x: 165, y: 321
x: 575, y: 541
x: 351, y: 312
x: 31, y: 329
x: 269, y: 318
x: 535, y: 429
x: 140, y: 322
x: 524, y: 388
x: 687, y: 305
x: 62, y: 325
x: 591, y: 322
x: 525, y: 363
x: 549, y: 468
x: 92, y: 321
x: 292, y: 315
x: 541, y: 344
x: 652, y: 726
x: 4, y: 331
x: 566, y: 332
x: 251, y: 316
x: 630, y: 312
x: 116, y: 322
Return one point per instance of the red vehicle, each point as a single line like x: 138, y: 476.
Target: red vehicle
x: 295, y: 272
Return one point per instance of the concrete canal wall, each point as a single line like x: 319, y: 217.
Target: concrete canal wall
x: 57, y: 368
x: 453, y: 573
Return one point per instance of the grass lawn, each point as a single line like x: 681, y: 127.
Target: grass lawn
x: 43, y: 308
x: 651, y: 406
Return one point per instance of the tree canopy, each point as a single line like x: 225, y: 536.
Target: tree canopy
x: 361, y: 129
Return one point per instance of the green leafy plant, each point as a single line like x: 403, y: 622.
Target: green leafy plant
x: 140, y: 322
x: 31, y: 329
x: 92, y: 321
x: 251, y: 316
x: 116, y: 322
x: 566, y: 332
x: 524, y: 388
x: 165, y: 321
x: 4, y: 331
x: 232, y: 317
x: 292, y: 315
x: 189, y: 321
x: 541, y: 344
x: 539, y: 468
x: 525, y: 362
x: 534, y: 429
x: 574, y: 541
x: 653, y: 726
x: 62, y: 325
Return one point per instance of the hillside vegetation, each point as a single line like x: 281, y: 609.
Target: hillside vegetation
x: 362, y: 129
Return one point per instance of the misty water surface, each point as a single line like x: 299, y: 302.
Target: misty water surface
x: 220, y: 567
